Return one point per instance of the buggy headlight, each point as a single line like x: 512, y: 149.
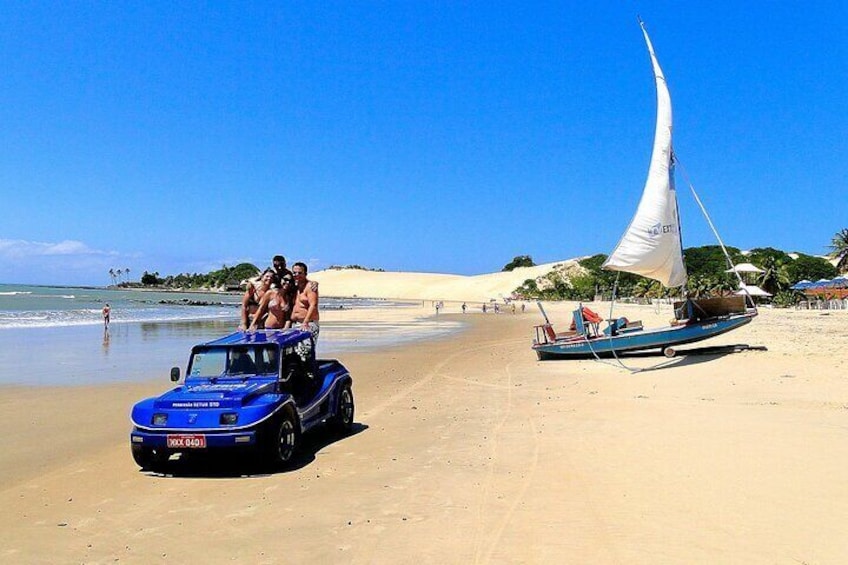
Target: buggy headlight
x: 228, y: 418
x: 160, y: 419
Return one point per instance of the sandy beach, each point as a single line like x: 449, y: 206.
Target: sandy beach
x: 469, y: 450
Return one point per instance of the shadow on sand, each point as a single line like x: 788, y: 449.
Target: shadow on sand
x: 694, y: 356
x: 241, y: 464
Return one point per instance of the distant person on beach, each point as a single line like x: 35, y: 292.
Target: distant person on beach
x: 277, y: 304
x: 464, y: 306
x: 252, y: 296
x: 523, y: 307
x: 107, y: 314
x: 484, y: 308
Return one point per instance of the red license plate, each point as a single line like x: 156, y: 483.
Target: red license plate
x: 186, y: 441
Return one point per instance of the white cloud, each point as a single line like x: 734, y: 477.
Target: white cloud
x: 63, y: 262
x: 20, y: 249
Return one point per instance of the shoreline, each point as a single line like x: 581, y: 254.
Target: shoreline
x: 131, y: 351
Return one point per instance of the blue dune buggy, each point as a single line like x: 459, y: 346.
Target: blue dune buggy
x: 256, y: 391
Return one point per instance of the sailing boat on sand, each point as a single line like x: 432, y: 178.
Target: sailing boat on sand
x: 651, y: 247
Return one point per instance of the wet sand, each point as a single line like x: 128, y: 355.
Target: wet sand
x: 467, y: 449
x: 141, y: 351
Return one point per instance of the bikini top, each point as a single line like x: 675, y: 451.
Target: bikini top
x: 273, y: 305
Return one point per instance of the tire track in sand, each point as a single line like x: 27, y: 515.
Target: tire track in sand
x: 368, y: 552
x: 429, y: 376
x: 485, y: 545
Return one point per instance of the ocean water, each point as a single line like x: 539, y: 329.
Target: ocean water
x: 50, y: 307
x: 55, y: 335
x: 54, y: 307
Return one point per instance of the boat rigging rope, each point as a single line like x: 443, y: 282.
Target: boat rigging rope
x: 612, y: 348
x: 615, y: 285
x: 715, y: 231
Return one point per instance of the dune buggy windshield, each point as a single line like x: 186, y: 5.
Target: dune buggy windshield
x: 234, y: 361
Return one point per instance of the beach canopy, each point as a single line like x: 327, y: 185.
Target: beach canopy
x: 801, y: 285
x: 752, y: 290
x: 821, y: 284
x: 744, y: 268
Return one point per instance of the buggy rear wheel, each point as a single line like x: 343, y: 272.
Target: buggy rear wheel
x: 342, y: 420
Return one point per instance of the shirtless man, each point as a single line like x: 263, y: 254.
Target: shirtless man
x: 304, y: 314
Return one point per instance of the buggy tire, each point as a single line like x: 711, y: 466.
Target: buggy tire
x: 283, y: 440
x: 342, y: 420
x: 149, y: 458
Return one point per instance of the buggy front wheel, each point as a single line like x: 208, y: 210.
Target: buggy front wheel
x: 148, y: 458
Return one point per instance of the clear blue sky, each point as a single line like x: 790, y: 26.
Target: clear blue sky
x: 417, y: 136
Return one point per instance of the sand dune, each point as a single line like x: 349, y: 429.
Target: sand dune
x: 428, y: 286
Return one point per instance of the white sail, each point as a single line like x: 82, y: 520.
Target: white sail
x: 651, y: 246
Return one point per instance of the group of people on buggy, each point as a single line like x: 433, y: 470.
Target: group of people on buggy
x: 280, y: 299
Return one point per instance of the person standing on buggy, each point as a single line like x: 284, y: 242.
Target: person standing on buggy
x: 304, y: 314
x: 278, y: 264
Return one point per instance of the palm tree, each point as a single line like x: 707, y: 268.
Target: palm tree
x: 773, y: 279
x: 642, y: 288
x: 119, y: 272
x: 699, y: 286
x: 657, y: 290
x: 112, y: 275
x: 724, y: 286
x: 127, y: 273
x: 839, y: 245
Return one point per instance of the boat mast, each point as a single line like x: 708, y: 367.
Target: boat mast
x: 652, y: 244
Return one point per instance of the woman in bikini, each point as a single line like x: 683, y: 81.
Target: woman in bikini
x: 253, y: 296
x: 277, y: 303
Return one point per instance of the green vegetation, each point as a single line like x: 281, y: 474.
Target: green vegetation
x: 227, y: 278
x: 119, y: 276
x: 810, y: 268
x: 150, y: 279
x: 564, y: 282
x: 520, y: 261
x: 706, y: 267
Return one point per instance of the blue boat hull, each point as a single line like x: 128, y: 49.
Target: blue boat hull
x: 575, y: 347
